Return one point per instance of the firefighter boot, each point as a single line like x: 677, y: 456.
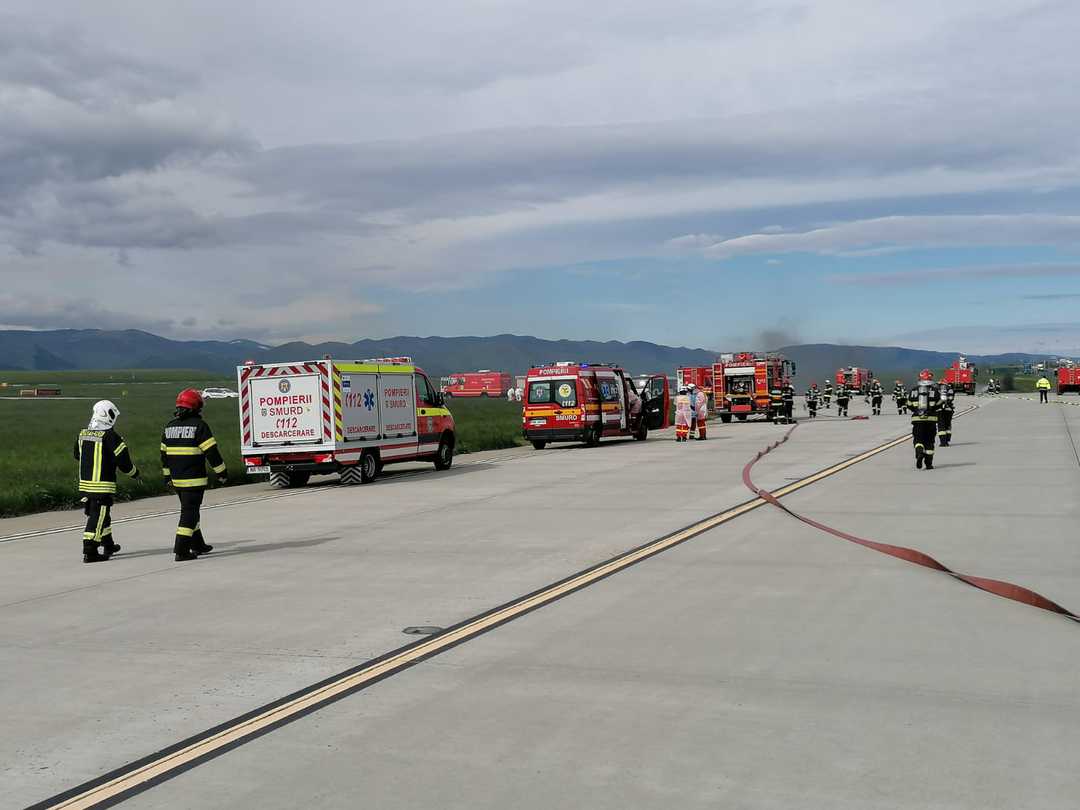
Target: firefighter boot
x: 108, y: 548
x: 918, y: 456
x: 90, y: 552
x: 929, y: 461
x: 182, y: 550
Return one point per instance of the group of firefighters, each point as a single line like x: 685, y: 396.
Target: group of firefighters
x: 187, y: 448
x: 931, y: 405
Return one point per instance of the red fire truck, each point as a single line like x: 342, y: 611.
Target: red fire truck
x: 585, y: 402
x: 743, y: 382
x: 857, y: 379
x: 1068, y: 378
x: 961, y: 375
x: 326, y: 416
x: 701, y: 376
x: 483, y: 383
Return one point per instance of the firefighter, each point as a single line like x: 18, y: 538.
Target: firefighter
x: 843, y: 398
x: 691, y: 391
x: 683, y: 411
x: 1043, y: 387
x: 945, y: 413
x: 924, y: 401
x: 101, y: 452
x: 877, y: 393
x: 991, y: 387
x: 701, y: 411
x: 899, y: 395
x: 787, y: 394
x: 827, y: 395
x: 776, y: 403
x: 812, y: 397
x: 187, y: 446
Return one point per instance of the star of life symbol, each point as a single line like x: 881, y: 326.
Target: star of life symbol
x: 369, y: 399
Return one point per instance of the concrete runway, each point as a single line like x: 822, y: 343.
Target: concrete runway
x: 762, y: 664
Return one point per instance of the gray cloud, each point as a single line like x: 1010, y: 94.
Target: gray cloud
x: 958, y: 273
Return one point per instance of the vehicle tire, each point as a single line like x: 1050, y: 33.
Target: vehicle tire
x: 642, y: 433
x: 726, y: 418
x: 299, y: 479
x: 484, y: 394
x: 444, y: 456
x: 369, y: 467
x: 594, y: 436
x: 740, y: 416
x: 538, y: 445
x: 350, y: 476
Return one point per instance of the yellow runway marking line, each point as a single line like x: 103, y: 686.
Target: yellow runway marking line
x: 139, y: 776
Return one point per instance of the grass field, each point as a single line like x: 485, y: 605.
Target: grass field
x: 37, y: 471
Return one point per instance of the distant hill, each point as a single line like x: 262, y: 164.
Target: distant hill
x: 95, y: 349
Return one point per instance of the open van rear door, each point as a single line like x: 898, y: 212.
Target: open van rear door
x: 656, y: 408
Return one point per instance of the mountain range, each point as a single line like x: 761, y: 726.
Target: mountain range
x: 69, y: 349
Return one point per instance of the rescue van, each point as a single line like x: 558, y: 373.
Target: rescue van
x: 483, y: 383
x: 587, y: 402
x: 331, y: 417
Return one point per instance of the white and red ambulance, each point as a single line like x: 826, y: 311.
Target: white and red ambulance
x: 332, y: 417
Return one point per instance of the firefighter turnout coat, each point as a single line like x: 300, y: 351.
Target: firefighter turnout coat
x: 101, y: 453
x: 187, y: 447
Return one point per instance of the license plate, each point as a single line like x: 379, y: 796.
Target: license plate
x: 538, y: 422
x: 258, y: 470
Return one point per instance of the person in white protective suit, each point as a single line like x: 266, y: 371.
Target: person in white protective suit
x: 701, y: 412
x: 684, y: 413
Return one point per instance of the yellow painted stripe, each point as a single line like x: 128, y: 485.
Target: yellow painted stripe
x: 164, y: 765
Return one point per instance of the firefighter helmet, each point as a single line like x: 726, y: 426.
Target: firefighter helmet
x: 925, y: 374
x: 190, y: 399
x: 105, y: 414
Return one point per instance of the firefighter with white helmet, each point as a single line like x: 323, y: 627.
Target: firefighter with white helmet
x: 924, y: 401
x: 899, y: 395
x: 101, y: 453
x: 812, y: 397
x: 701, y: 410
x: 877, y: 393
x: 945, y: 413
x: 843, y: 398
x: 187, y: 447
x: 684, y: 411
x: 826, y: 395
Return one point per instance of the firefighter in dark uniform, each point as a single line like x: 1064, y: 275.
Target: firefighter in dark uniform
x: 776, y: 403
x: 899, y: 395
x: 827, y: 395
x: 187, y: 447
x: 812, y: 397
x: 877, y: 393
x: 924, y: 401
x: 843, y: 398
x: 101, y: 452
x: 945, y: 414
x: 787, y: 394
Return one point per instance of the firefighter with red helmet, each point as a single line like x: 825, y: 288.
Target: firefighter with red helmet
x: 924, y: 401
x: 187, y: 447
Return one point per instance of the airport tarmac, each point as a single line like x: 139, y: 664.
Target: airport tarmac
x: 761, y: 663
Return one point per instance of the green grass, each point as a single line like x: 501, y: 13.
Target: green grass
x: 38, y: 473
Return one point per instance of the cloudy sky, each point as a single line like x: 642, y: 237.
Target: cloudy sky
x: 694, y: 172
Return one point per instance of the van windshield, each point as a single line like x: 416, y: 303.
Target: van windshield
x: 561, y: 392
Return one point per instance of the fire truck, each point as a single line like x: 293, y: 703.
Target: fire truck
x: 586, y: 402
x: 1068, y: 377
x: 701, y: 376
x: 483, y: 383
x: 743, y: 382
x: 961, y: 375
x: 856, y: 379
x: 331, y: 417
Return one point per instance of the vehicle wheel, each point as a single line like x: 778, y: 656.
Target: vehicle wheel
x: 369, y: 467
x: 444, y: 457
x: 299, y: 479
x: 593, y: 439
x: 726, y: 418
x: 642, y: 433
x: 740, y: 416
x: 350, y: 476
x: 538, y: 445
